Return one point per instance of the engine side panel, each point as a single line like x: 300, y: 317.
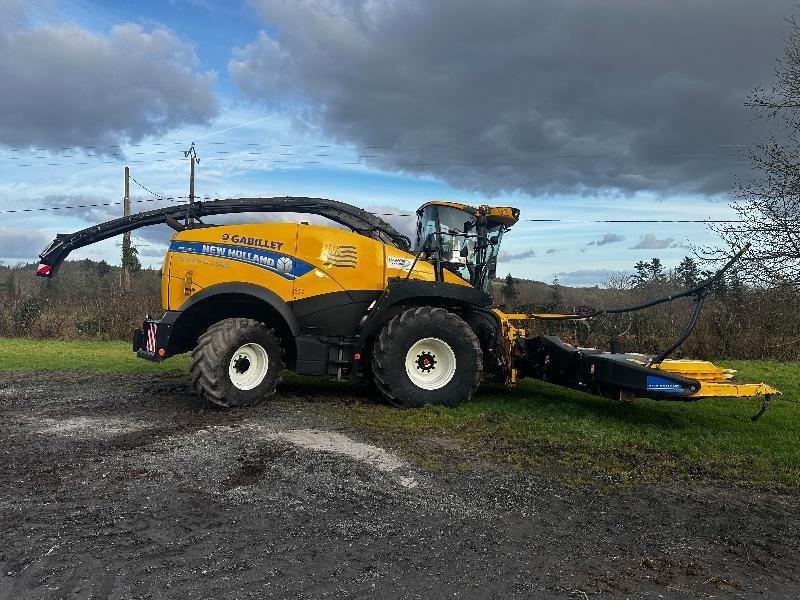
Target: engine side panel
x: 264, y: 255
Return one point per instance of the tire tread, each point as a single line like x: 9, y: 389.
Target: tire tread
x: 208, y: 371
x: 386, y: 346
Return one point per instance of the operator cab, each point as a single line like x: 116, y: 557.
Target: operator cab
x: 463, y: 239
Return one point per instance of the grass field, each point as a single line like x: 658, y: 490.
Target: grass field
x: 537, y: 425
x: 20, y: 354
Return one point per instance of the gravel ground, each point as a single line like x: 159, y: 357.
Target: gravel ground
x: 125, y: 486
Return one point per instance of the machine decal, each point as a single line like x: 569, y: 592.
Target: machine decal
x: 151, y: 337
x: 244, y: 240
x: 665, y: 386
x: 339, y: 256
x: 397, y: 262
x: 286, y: 266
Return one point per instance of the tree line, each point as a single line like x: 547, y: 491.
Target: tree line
x: 739, y: 319
x: 86, y: 300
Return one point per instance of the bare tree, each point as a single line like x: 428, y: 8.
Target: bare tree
x: 768, y: 205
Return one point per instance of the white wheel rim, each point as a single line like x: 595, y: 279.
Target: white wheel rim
x: 248, y: 366
x: 430, y: 363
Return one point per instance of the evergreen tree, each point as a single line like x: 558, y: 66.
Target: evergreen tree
x: 103, y: 268
x: 510, y: 289
x: 641, y: 274
x: 556, y: 300
x: 657, y: 273
x: 687, y: 272
x: 130, y: 256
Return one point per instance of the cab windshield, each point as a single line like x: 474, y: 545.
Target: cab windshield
x: 465, y: 247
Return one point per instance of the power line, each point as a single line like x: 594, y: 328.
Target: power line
x: 630, y: 221
x: 381, y: 214
x: 686, y: 150
x: 233, y: 157
x: 193, y: 197
x: 670, y: 151
x: 73, y: 206
x: 148, y: 190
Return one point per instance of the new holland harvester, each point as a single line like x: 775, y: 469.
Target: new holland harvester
x: 417, y: 319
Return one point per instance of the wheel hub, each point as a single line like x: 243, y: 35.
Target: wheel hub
x: 241, y: 364
x: 426, y: 362
x: 430, y: 363
x: 248, y: 366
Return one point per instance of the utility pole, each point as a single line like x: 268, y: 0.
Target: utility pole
x: 191, y: 154
x: 126, y: 237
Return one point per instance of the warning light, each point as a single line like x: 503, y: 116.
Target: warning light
x: 161, y: 352
x: 357, y: 356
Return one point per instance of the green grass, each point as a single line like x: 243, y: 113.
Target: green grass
x: 544, y: 426
x: 21, y: 354
x: 536, y: 425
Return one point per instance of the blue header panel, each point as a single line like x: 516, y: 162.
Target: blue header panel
x: 662, y: 385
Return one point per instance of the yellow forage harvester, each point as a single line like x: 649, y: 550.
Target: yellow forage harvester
x: 363, y: 301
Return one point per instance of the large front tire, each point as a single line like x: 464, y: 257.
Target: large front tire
x: 237, y: 362
x: 424, y: 356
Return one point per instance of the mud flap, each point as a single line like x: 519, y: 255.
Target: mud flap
x: 152, y: 340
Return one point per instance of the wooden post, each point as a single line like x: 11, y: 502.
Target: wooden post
x: 126, y: 237
x: 191, y: 154
x: 191, y: 179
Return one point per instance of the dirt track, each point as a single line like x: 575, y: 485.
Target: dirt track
x: 126, y: 487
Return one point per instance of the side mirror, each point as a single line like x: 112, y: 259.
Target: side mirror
x: 494, y: 240
x: 464, y: 252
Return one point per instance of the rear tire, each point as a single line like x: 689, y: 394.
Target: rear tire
x: 237, y: 362
x: 424, y: 356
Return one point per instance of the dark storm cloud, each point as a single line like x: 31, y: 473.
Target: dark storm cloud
x: 67, y: 86
x: 609, y: 238
x: 651, y: 242
x: 557, y: 96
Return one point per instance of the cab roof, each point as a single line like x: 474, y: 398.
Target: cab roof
x: 502, y: 215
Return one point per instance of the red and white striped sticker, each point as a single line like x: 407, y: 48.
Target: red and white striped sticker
x: 151, y: 338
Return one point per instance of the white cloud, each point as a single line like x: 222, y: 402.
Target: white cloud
x: 587, y: 277
x: 651, y: 242
x: 609, y: 238
x: 504, y: 256
x: 65, y: 86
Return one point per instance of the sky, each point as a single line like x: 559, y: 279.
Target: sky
x: 576, y: 110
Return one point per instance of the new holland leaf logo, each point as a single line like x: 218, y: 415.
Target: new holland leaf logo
x: 340, y: 256
x: 284, y: 264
